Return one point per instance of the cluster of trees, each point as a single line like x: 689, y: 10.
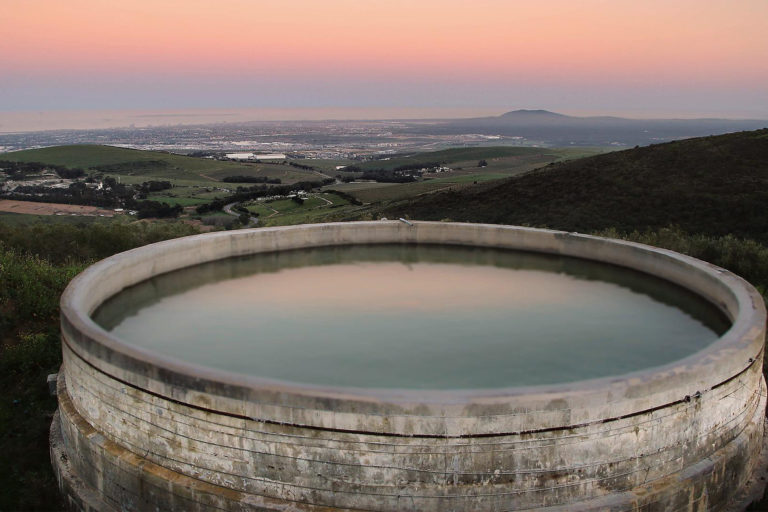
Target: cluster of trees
x: 76, y: 193
x: 251, y: 179
x: 155, y: 186
x: 380, y: 175
x: 68, y: 173
x: 156, y: 209
x: 249, y: 193
x: 245, y: 215
x: 416, y: 166
x: 21, y: 170
x: 405, y: 173
x: 389, y: 176
x: 111, y: 195
x: 349, y: 197
x: 301, y: 166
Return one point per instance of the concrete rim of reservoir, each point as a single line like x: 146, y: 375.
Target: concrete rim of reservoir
x: 694, y: 425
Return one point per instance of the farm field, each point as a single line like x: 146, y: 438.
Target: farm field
x: 501, y: 162
x: 31, y: 208
x: 503, y: 156
x: 135, y: 166
x: 453, y: 156
x: 469, y: 178
x: 177, y: 198
x: 284, y: 212
x: 395, y: 191
x: 26, y: 219
x: 199, y: 181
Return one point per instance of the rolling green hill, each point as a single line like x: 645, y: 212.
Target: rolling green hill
x: 133, y: 162
x: 712, y: 185
x: 458, y: 155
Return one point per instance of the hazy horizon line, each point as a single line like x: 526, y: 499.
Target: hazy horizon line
x: 23, y: 121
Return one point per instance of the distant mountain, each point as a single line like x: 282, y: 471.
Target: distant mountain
x: 532, y: 115
x: 551, y: 128
x: 713, y: 185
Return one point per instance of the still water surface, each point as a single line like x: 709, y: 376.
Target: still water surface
x: 418, y: 317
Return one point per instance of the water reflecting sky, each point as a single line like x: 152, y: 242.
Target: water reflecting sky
x: 421, y: 317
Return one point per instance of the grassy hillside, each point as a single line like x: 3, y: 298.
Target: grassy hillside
x: 453, y: 155
x: 712, y: 185
x: 36, y: 263
x: 458, y: 157
x: 500, y: 162
x: 158, y: 164
x: 198, y: 180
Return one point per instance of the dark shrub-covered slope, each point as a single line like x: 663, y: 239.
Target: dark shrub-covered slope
x: 711, y: 185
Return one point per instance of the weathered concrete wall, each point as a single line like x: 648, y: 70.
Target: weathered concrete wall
x: 148, y: 432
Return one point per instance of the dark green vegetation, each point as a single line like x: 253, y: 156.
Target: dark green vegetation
x: 36, y: 263
x: 744, y: 256
x: 713, y: 186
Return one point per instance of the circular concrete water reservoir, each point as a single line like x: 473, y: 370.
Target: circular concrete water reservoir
x: 408, y: 366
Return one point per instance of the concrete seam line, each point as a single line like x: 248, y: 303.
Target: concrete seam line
x: 391, y: 434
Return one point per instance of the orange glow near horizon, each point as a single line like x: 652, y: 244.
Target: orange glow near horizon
x: 685, y: 56
x: 620, y: 40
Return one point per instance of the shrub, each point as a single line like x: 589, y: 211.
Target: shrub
x: 744, y: 257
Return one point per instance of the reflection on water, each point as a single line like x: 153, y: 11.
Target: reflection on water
x: 408, y: 316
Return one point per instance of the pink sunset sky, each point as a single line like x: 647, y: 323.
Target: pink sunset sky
x: 636, y: 58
